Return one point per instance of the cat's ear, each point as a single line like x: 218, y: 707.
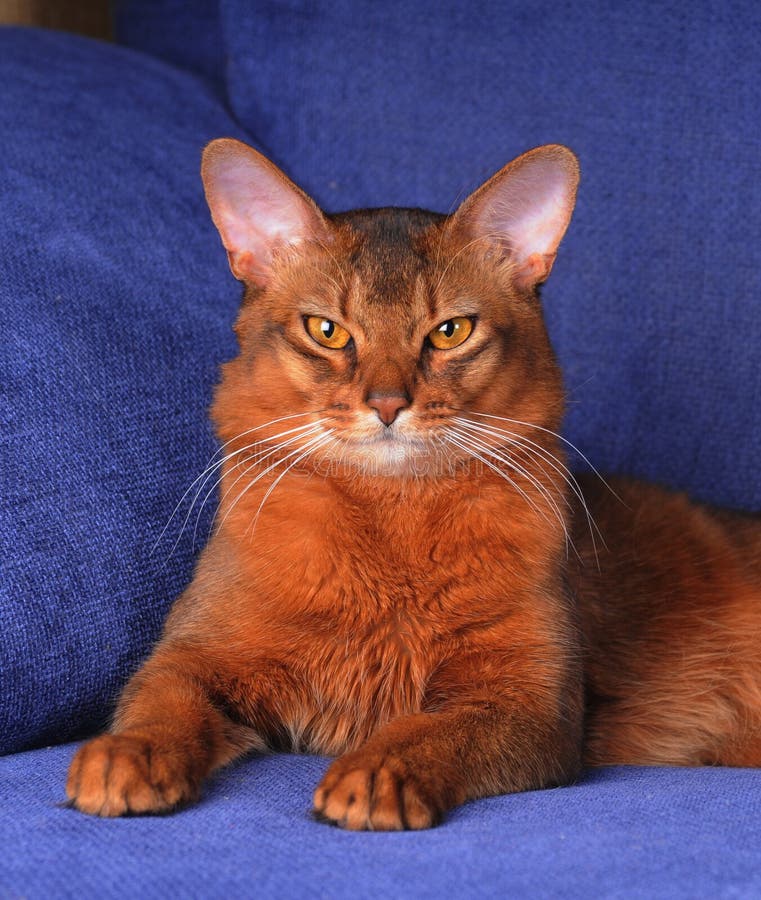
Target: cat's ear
x: 256, y: 208
x: 524, y: 210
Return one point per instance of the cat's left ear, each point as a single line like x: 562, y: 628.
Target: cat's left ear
x: 256, y: 208
x: 524, y: 210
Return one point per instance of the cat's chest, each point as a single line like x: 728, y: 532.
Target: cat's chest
x: 364, y: 611
x: 360, y: 676
x: 389, y: 575
x: 367, y: 648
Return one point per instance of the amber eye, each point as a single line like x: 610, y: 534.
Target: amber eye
x: 327, y: 333
x: 451, y: 333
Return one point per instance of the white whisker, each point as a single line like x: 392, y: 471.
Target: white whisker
x: 531, y: 447
x: 256, y: 458
x: 315, y: 443
x: 211, y: 466
x: 556, y: 435
x: 261, y: 475
x: 473, y: 451
x: 543, y: 491
x: 509, y: 461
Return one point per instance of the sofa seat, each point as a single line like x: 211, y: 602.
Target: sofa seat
x: 620, y: 832
x: 117, y: 308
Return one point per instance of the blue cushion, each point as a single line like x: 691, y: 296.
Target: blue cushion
x: 118, y: 303
x: 117, y: 308
x: 654, y: 301
x: 624, y: 833
x: 185, y: 33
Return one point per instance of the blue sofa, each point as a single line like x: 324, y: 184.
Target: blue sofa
x: 117, y: 310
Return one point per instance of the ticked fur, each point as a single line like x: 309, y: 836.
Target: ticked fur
x: 404, y: 573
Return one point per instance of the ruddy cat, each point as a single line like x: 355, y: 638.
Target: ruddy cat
x: 404, y: 574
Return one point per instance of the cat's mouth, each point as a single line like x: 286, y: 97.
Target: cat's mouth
x: 399, y: 434
x: 384, y: 440
x: 388, y: 436
x: 388, y: 450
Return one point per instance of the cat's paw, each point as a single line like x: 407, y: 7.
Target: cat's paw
x: 376, y: 792
x: 117, y: 775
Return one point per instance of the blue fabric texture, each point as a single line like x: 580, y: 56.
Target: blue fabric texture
x: 630, y: 832
x: 654, y: 301
x: 118, y: 301
x: 113, y: 326
x: 185, y: 33
x: 117, y: 309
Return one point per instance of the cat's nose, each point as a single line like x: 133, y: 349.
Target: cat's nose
x: 387, y: 406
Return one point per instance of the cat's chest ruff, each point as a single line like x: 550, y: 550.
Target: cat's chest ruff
x: 372, y: 603
x: 363, y: 675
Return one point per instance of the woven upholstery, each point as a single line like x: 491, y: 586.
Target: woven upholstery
x: 117, y: 309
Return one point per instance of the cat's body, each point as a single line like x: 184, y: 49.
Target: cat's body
x: 398, y: 576
x: 672, y: 626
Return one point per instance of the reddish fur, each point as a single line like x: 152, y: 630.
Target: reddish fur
x: 672, y: 622
x: 420, y: 627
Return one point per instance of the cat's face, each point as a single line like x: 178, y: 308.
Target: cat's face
x: 381, y: 334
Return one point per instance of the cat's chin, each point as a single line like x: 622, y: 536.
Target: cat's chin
x: 390, y: 454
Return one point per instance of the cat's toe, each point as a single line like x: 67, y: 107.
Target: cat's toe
x: 116, y: 775
x: 374, y: 795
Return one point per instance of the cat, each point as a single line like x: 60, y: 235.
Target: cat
x: 404, y: 574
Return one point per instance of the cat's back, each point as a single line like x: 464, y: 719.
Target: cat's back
x: 646, y: 536
x: 669, y: 595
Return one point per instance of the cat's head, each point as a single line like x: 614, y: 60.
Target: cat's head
x: 385, y: 338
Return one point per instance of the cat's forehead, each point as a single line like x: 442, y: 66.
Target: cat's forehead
x: 389, y: 265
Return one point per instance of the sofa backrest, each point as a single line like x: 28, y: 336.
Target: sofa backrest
x: 653, y: 305
x: 118, y: 303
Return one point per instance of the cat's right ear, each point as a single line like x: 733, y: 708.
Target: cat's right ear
x: 256, y: 208
x: 524, y: 210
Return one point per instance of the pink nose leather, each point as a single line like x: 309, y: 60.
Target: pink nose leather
x: 387, y: 406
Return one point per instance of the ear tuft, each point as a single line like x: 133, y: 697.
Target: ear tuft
x: 255, y: 207
x: 525, y: 209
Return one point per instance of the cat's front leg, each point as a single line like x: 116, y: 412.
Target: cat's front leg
x: 168, y: 736
x: 416, y: 768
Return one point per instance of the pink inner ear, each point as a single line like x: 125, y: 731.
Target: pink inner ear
x: 527, y: 207
x: 255, y: 207
x: 532, y: 211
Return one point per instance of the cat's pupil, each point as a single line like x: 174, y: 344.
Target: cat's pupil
x: 327, y: 327
x: 448, y: 328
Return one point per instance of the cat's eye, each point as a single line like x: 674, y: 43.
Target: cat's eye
x: 451, y: 333
x: 327, y: 333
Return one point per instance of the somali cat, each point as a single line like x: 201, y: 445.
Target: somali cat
x: 404, y: 574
